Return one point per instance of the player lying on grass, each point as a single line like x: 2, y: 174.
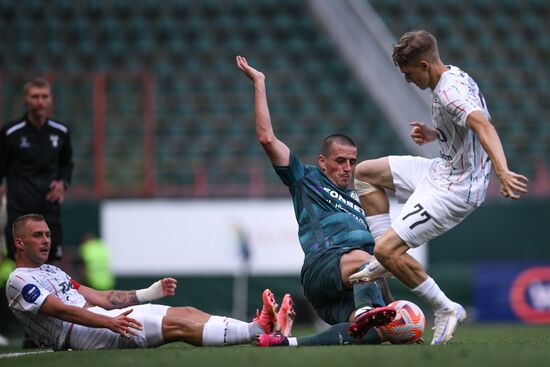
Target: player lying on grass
x: 59, y: 313
x: 333, y: 231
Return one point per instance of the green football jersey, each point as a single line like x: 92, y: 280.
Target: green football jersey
x: 329, y: 218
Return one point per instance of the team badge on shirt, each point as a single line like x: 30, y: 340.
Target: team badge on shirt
x: 30, y: 293
x: 24, y: 143
x: 55, y: 140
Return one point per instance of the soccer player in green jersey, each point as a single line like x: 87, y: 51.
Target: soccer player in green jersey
x: 332, y: 229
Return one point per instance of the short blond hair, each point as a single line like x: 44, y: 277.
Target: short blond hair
x: 413, y: 46
x: 18, y: 226
x: 36, y: 82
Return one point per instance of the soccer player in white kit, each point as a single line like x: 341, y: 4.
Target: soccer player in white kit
x: 438, y: 193
x: 58, y: 312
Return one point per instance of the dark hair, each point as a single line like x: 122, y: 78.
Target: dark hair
x: 19, y: 224
x: 36, y: 82
x: 335, y: 138
x: 413, y: 46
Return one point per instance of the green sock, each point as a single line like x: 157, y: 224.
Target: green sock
x: 367, y: 294
x: 338, y: 335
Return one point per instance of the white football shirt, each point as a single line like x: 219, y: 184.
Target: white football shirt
x: 27, y: 289
x: 464, y: 167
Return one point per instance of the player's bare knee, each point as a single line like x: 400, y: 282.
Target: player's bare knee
x: 375, y: 172
x: 363, y: 170
x: 190, y: 312
x: 354, y: 259
x: 186, y: 312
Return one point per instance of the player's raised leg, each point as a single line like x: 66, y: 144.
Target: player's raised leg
x: 414, y: 227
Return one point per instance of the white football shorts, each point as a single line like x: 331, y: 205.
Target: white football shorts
x: 429, y: 210
x: 150, y: 315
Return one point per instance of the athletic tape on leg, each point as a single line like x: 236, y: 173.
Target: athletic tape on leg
x: 363, y: 188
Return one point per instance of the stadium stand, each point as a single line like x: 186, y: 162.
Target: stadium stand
x: 504, y: 46
x: 202, y: 106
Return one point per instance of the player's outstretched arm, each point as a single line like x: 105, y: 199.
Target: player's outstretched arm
x: 510, y: 182
x: 277, y: 151
x: 122, y: 324
x: 119, y: 299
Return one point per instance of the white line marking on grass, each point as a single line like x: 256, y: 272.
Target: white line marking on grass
x: 14, y: 355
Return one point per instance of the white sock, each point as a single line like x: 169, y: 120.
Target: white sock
x: 429, y: 292
x: 239, y: 334
x: 229, y: 320
x: 233, y: 321
x: 214, y: 334
x: 217, y: 333
x: 292, y: 342
x: 378, y: 224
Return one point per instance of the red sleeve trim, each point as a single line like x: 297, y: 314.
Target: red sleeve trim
x: 76, y: 284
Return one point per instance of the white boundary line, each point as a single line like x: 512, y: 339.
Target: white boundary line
x: 15, y: 355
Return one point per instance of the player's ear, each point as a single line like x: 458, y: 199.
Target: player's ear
x: 425, y: 65
x: 18, y: 243
x: 322, y: 162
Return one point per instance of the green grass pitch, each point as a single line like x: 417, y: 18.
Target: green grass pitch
x: 475, y: 345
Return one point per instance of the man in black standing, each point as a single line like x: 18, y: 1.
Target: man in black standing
x: 36, y: 160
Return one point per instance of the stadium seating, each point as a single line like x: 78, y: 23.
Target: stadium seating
x: 504, y: 46
x: 202, y: 105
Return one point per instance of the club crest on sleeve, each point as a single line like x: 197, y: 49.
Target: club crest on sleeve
x: 30, y: 293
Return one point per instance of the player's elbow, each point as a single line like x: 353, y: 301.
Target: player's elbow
x: 266, y: 140
x: 478, y: 122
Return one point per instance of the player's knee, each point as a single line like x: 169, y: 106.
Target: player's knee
x: 375, y: 172
x: 189, y: 311
x: 354, y: 259
x: 363, y: 170
x: 372, y: 172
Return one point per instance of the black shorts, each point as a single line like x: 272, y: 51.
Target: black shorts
x: 322, y: 283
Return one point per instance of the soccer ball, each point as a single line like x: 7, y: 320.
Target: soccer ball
x: 408, y: 324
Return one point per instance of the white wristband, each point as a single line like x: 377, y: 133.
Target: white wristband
x: 152, y: 293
